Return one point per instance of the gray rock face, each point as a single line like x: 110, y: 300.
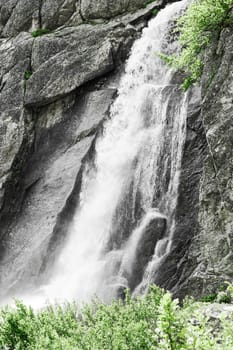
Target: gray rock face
x: 15, y: 122
x: 63, y: 62
x: 109, y: 8
x: 29, y: 15
x: 17, y: 16
x: 201, y: 258
x: 56, y: 13
x: 213, y: 245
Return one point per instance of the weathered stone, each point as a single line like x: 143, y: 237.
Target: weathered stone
x: 108, y: 8
x: 30, y: 15
x: 14, y: 121
x: 56, y: 13
x: 76, y: 56
x: 214, y: 244
x: 17, y: 16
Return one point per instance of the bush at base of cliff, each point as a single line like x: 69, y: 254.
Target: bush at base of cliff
x: 154, y: 321
x: 202, y: 22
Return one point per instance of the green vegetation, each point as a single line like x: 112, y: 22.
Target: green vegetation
x: 27, y: 74
x: 210, y: 298
x: 40, y: 32
x: 154, y: 12
x: 197, y: 28
x: 224, y: 294
x: 151, y: 322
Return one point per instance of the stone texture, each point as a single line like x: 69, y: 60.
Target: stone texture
x: 15, y: 121
x: 17, y: 16
x: 79, y: 56
x: 56, y: 13
x: 109, y: 8
x: 30, y: 15
x: 213, y: 246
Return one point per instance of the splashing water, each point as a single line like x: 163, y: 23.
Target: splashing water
x: 141, y: 149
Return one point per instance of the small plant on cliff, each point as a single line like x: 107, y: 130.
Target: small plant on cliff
x: 155, y: 12
x: 40, y: 32
x: 27, y: 74
x: 197, y: 28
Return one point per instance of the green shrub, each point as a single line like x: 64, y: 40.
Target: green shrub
x: 40, y: 32
x: 197, y: 28
x: 151, y: 322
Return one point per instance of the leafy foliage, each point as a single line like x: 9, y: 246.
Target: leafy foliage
x: 150, y: 322
x: 197, y: 28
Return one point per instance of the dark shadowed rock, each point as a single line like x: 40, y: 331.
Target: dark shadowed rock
x: 153, y: 232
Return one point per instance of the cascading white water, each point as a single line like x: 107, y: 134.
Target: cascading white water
x: 131, y: 132
x: 147, y: 122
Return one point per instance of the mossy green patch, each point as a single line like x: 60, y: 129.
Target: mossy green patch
x: 40, y: 32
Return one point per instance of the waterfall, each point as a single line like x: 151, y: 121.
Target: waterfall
x: 142, y: 142
x: 125, y: 221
